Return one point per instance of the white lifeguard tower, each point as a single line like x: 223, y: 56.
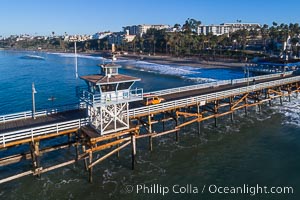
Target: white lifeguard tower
x: 107, y: 98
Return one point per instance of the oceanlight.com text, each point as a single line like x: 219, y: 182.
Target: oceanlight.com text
x: 251, y: 190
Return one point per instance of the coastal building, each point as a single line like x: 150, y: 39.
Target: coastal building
x: 226, y: 28
x: 132, y: 30
x: 119, y: 38
x: 238, y: 26
x: 214, y: 29
x: 101, y: 35
x: 142, y: 29
x: 129, y: 38
x: 78, y: 38
x: 115, y: 38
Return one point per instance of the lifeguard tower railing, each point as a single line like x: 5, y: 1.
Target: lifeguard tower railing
x: 111, y: 97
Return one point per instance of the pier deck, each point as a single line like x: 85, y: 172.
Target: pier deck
x: 42, y: 121
x: 78, y: 114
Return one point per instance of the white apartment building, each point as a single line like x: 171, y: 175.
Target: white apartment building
x: 214, y: 29
x: 238, y: 26
x: 101, y: 35
x: 226, y: 28
x: 77, y: 38
x: 142, y: 29
x: 119, y: 38
x: 131, y: 30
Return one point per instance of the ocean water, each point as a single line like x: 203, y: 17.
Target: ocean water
x: 258, y: 149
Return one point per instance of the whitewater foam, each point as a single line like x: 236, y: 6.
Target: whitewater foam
x: 72, y: 55
x: 196, y: 74
x: 291, y: 111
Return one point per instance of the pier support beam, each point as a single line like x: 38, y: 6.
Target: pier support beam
x: 85, y: 159
x: 35, y: 156
x: 90, y: 168
x: 232, y: 111
x: 118, y: 145
x: 70, y: 139
x: 77, y: 151
x: 163, y: 122
x: 199, y: 122
x: 282, y: 95
x: 216, y: 112
x: 267, y: 96
x: 270, y: 100
x: 133, y: 151
x: 246, y: 106
x: 77, y: 146
x: 177, y: 132
x: 150, y: 131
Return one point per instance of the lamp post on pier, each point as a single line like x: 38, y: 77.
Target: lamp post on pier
x: 33, y: 100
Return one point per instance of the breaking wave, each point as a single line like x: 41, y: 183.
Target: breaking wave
x: 197, y: 74
x: 291, y: 111
x: 72, y: 55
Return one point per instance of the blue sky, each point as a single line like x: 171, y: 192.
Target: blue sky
x: 41, y: 17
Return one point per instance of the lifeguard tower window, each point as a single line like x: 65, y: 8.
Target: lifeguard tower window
x: 111, y: 71
x: 124, y: 86
x: 108, y: 87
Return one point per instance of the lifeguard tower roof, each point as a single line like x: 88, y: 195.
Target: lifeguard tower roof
x: 109, y: 74
x: 99, y: 79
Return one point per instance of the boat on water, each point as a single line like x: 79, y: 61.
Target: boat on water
x: 34, y: 57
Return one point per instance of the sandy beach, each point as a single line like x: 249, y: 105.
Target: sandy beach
x: 194, y: 62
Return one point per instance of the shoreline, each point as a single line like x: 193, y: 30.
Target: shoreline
x: 163, y: 60
x: 191, y: 62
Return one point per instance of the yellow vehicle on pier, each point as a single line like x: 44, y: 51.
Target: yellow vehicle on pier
x: 152, y: 100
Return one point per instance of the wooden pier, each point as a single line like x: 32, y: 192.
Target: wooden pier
x: 183, y: 106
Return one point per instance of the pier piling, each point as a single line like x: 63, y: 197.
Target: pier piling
x: 133, y: 150
x: 91, y: 167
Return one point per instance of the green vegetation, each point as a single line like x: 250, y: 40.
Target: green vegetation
x: 262, y: 42
x: 183, y: 41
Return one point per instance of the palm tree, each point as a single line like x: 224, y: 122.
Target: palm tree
x: 295, y: 42
x: 152, y: 38
x: 141, y: 41
x: 264, y: 34
x: 167, y: 42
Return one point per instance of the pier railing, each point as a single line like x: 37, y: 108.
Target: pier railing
x: 203, y: 99
x: 30, y: 133
x: 211, y: 84
x: 89, y: 98
x: 44, y: 112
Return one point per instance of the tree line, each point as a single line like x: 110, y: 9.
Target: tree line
x: 184, y: 41
x: 265, y: 40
